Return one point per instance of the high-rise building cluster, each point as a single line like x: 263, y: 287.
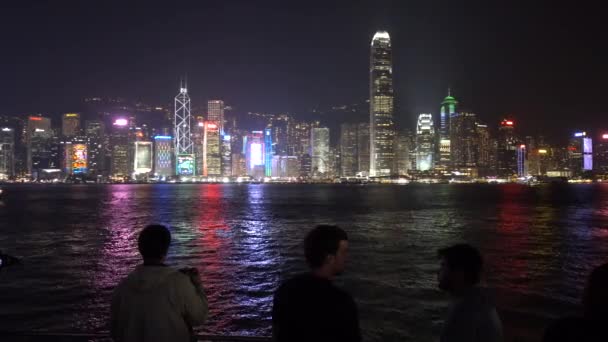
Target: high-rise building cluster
x: 113, y: 140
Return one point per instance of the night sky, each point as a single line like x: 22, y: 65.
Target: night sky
x: 545, y: 64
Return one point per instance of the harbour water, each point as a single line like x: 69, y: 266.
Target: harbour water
x: 78, y: 241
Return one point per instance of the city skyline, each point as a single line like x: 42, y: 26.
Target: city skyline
x: 540, y: 75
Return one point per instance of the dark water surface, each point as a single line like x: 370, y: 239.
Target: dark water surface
x: 77, y: 242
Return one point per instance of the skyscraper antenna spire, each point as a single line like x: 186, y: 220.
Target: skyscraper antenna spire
x: 449, y: 91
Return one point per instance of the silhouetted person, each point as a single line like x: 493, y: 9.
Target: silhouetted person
x: 593, y: 325
x: 156, y: 302
x: 471, y: 316
x: 309, y: 307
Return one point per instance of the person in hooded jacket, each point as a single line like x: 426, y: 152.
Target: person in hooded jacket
x: 156, y: 302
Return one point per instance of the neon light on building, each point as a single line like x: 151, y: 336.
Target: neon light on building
x: 121, y: 122
x: 521, y: 161
x: 256, y: 155
x: 587, y: 154
x: 185, y: 165
x: 268, y: 152
x: 163, y: 156
x: 79, y: 158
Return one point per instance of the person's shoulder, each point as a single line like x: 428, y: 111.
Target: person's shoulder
x: 343, y: 294
x: 295, y: 283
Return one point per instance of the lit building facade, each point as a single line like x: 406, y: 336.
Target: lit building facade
x: 76, y: 157
x: 70, y: 125
x: 268, y: 153
x: 507, y: 149
x: 7, y: 153
x: 485, y: 150
x: 600, y: 157
x: 403, y: 147
x: 320, y: 151
x: 580, y: 154
x: 215, y: 112
x: 522, y: 164
x: 226, y: 151
x: 382, y: 130
x: 120, y: 145
x: 285, y: 167
x: 39, y: 141
x: 425, y: 142
x: 163, y: 156
x: 96, y: 137
x: 447, y: 111
x: 212, y: 159
x: 348, y: 150
x: 305, y: 166
x: 256, y: 166
x: 143, y: 157
x: 464, y: 144
x: 281, y: 131
x: 363, y: 146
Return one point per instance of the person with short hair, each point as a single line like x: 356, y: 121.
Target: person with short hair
x: 309, y: 307
x: 591, y: 326
x: 471, y: 317
x: 155, y: 302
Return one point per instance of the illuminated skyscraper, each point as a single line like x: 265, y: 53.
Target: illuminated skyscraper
x: 382, y: 129
x: 39, y: 137
x: 600, y: 156
x: 226, y: 151
x: 363, y: 146
x: 403, y: 146
x: 70, y: 125
x: 580, y: 154
x: 212, y: 159
x: 75, y: 156
x: 348, y: 150
x: 183, y: 136
x: 425, y: 142
x: 268, y: 153
x: 163, y: 156
x: 282, y: 127
x: 320, y: 151
x: 7, y: 153
x: 522, y: 169
x: 463, y: 140
x: 448, y: 110
x: 484, y: 149
x: 507, y: 149
x: 215, y: 112
x: 255, y: 155
x: 198, y: 143
x: 95, y: 135
x: 120, y: 150
x: 143, y: 157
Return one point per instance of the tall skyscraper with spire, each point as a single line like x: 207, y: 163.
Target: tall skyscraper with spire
x: 382, y: 130
x: 448, y: 109
x: 183, y: 137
